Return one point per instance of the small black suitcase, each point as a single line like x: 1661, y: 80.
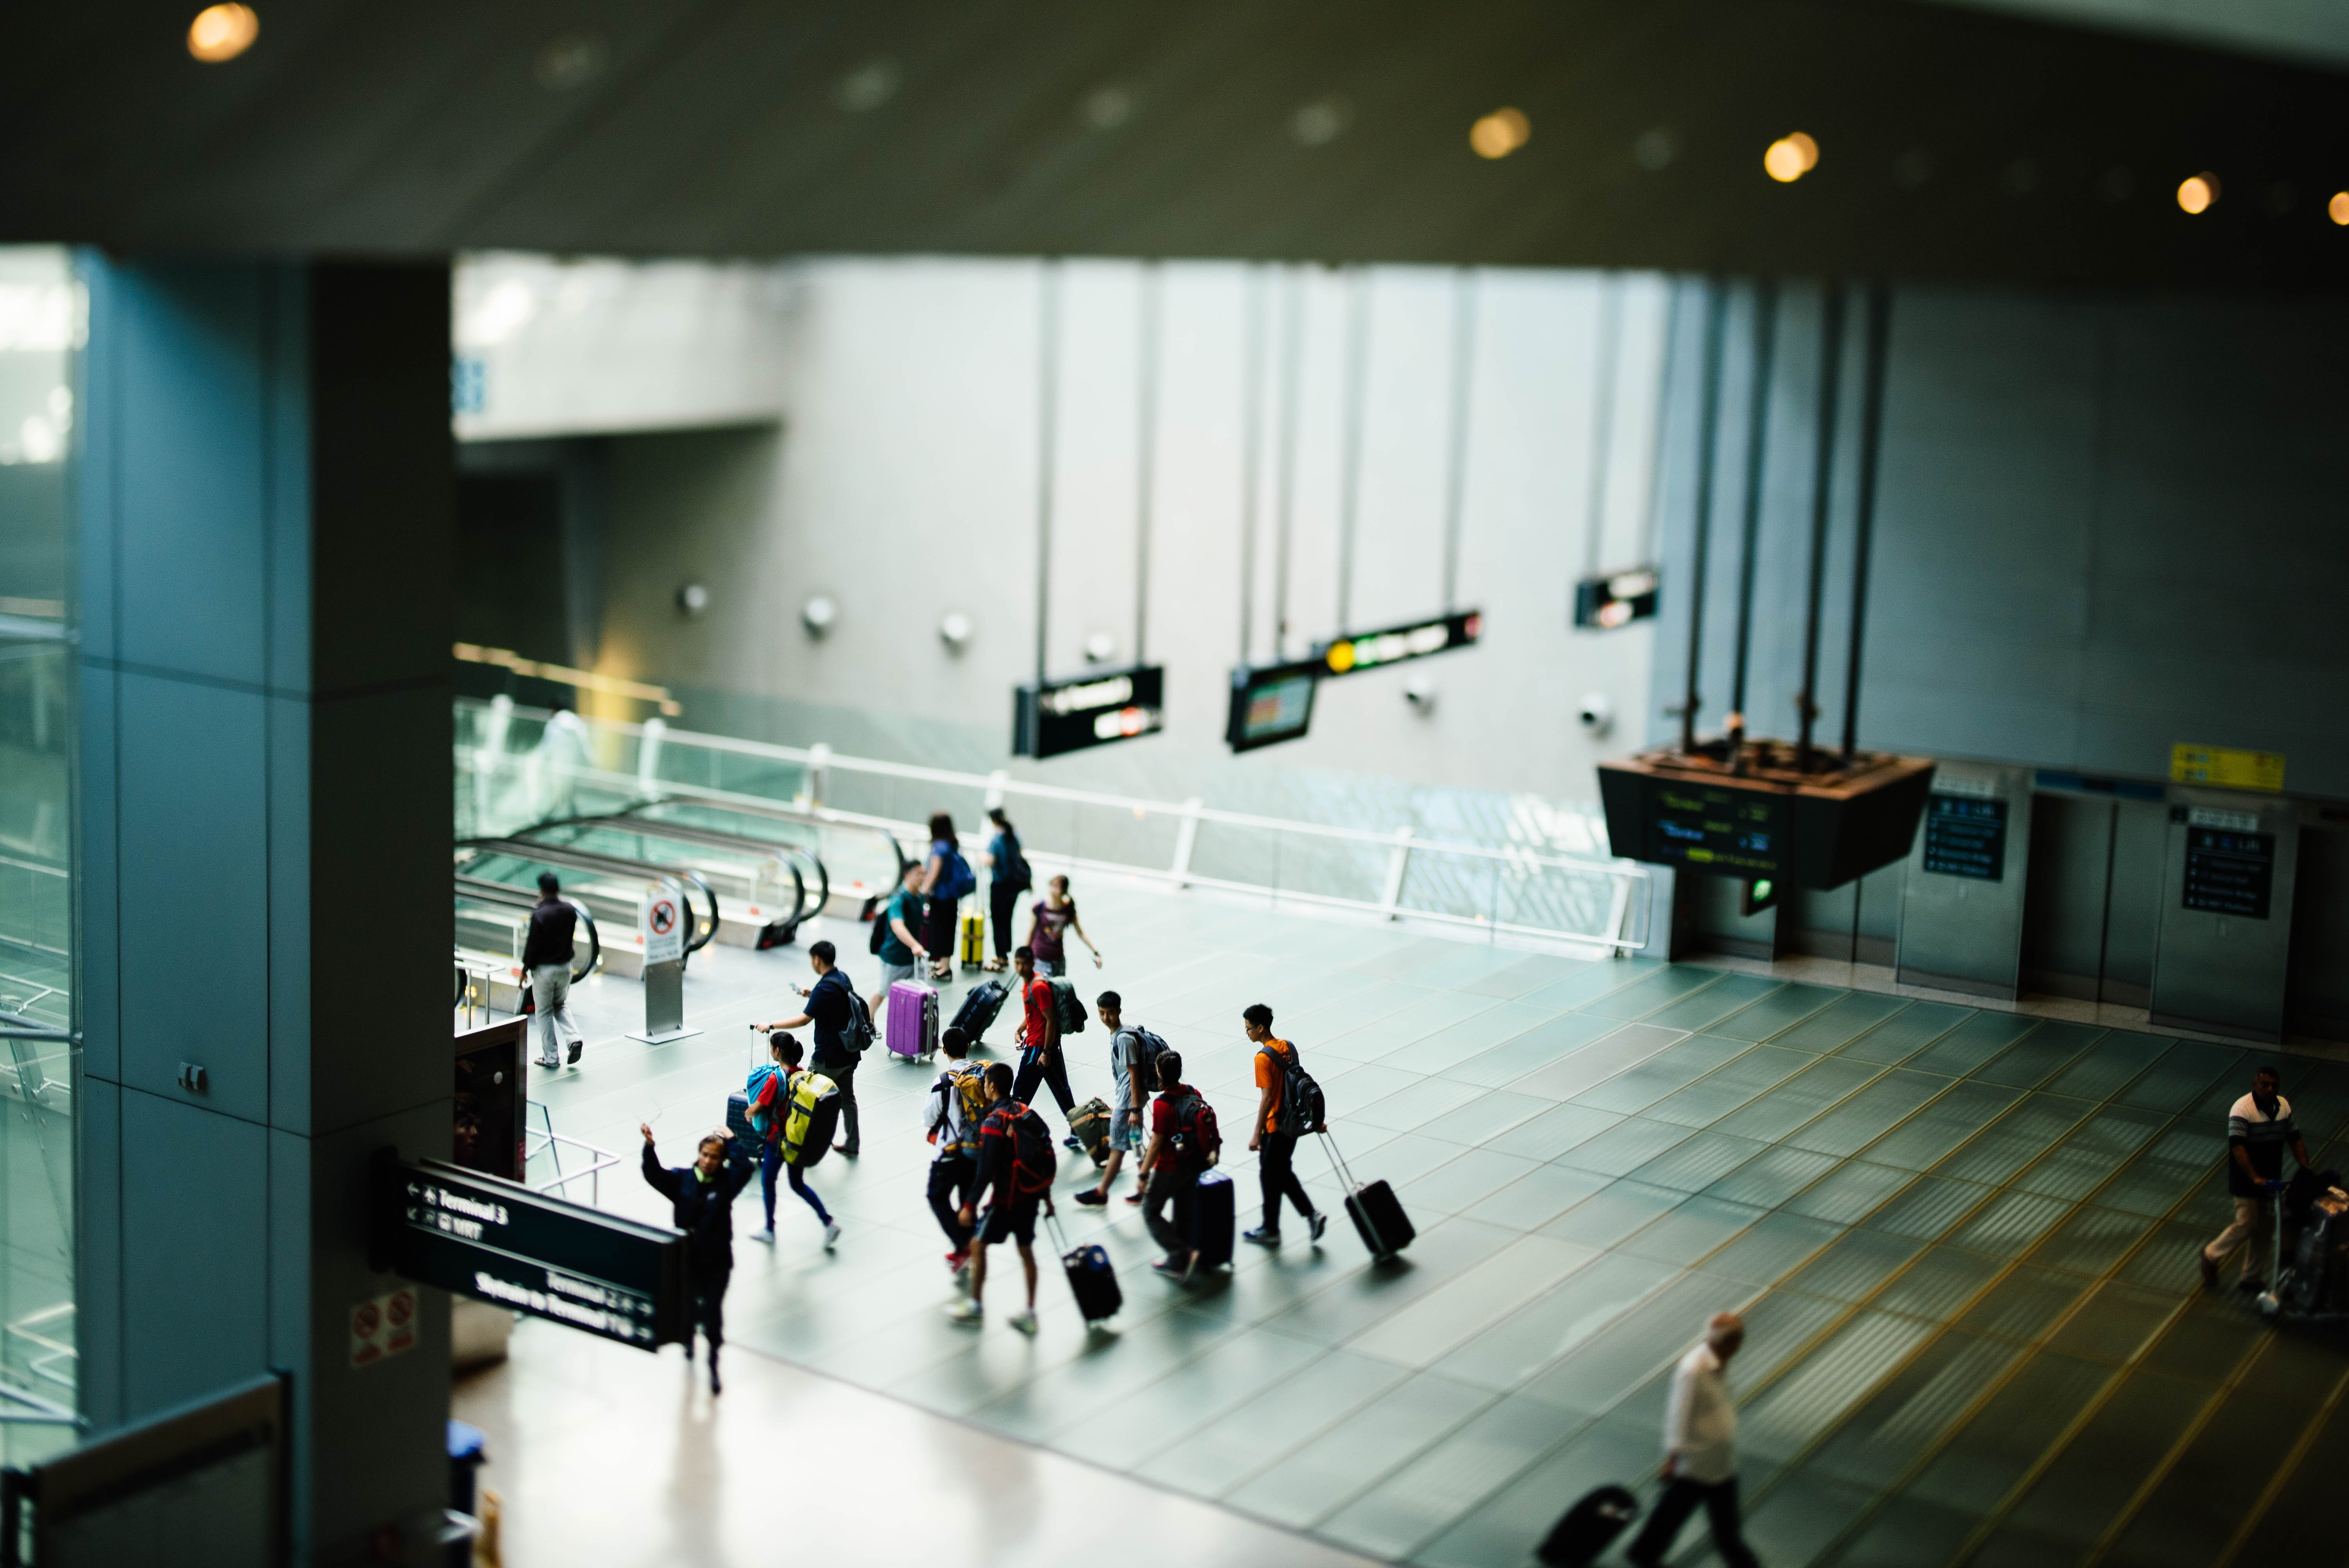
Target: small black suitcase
x: 1376, y: 1211
x: 1588, y: 1528
x: 1092, y: 1280
x: 1214, y: 1218
x: 978, y: 1010
x: 738, y: 1119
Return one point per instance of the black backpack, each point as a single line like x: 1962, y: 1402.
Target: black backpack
x: 1034, y: 1161
x: 1142, y: 1066
x: 1302, y: 1108
x: 858, y: 1033
x: 1011, y: 870
x: 1068, y: 1007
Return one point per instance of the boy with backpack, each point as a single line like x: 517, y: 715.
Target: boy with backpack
x: 1287, y: 1108
x: 1133, y: 1056
x: 770, y: 1091
x: 958, y: 1107
x: 1184, y: 1142
x: 1016, y: 1162
x: 1041, y: 1061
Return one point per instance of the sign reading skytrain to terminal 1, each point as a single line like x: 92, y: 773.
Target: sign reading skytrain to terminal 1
x: 1051, y: 718
x: 498, y: 1240
x: 1352, y: 655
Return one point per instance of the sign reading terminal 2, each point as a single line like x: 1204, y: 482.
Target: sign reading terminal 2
x: 497, y: 1239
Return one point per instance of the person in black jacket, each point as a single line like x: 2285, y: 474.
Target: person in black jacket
x: 701, y: 1197
x: 546, y: 956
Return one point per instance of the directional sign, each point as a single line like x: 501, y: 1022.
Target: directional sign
x: 1051, y: 717
x: 1354, y: 653
x: 498, y: 1240
x: 660, y: 919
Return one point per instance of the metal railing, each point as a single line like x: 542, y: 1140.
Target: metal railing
x: 1518, y: 891
x: 552, y: 1144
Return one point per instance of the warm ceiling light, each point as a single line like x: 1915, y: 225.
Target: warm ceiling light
x: 1790, y: 158
x: 2196, y: 193
x: 222, y: 33
x: 2338, y: 208
x: 1500, y: 133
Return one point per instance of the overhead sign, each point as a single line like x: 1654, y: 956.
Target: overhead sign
x: 1352, y: 653
x: 1733, y: 831
x: 2225, y: 767
x: 498, y: 1240
x: 1051, y: 718
x: 1603, y: 603
x: 660, y: 920
x: 1271, y: 704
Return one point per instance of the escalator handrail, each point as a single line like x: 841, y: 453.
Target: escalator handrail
x: 626, y: 820
x: 780, y: 812
x: 588, y: 859
x: 481, y: 890
x: 814, y: 861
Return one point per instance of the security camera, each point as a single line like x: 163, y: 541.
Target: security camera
x: 1595, y: 714
x: 1420, y: 692
x: 693, y: 598
x: 1101, y: 647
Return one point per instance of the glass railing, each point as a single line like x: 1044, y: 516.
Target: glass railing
x: 40, y: 329
x: 517, y: 766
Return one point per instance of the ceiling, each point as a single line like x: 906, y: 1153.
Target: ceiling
x: 1955, y: 143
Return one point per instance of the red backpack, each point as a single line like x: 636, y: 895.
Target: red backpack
x: 1035, y: 1163
x: 1194, y: 1137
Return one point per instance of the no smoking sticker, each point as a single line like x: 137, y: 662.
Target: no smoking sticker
x: 383, y: 1326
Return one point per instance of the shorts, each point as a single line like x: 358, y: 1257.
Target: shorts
x: 1125, y: 1131
x: 893, y: 972
x: 1009, y: 1219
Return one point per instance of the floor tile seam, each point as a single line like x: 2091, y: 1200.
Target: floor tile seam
x: 1670, y: 1278
x: 1310, y: 1436
x: 1322, y: 1353
x: 1447, y: 1435
x: 1792, y: 1024
x: 2284, y: 1473
x: 1227, y: 1330
x: 1596, y: 1254
x: 998, y: 1434
x: 1907, y: 1004
x: 1672, y: 1001
x: 2037, y: 1343
x: 1633, y: 1066
x: 1721, y: 1067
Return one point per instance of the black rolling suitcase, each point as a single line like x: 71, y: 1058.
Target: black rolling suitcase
x: 1092, y: 1280
x: 1376, y: 1211
x: 1588, y: 1528
x: 738, y: 1119
x: 978, y: 1010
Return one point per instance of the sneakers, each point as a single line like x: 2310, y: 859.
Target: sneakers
x: 1091, y: 1197
x: 1319, y: 1221
x: 577, y: 1046
x: 831, y: 1231
x: 1135, y: 1196
x: 957, y: 1263
x: 766, y: 1235
x: 966, y: 1311
x: 1169, y: 1268
x: 1074, y: 1142
x: 548, y: 1062
x: 1263, y: 1238
x: 1024, y: 1321
x: 845, y: 1152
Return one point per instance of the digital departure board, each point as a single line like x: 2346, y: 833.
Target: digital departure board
x: 2228, y: 872
x: 1355, y: 652
x: 500, y: 1242
x: 1728, y: 830
x: 1053, y: 718
x: 1965, y: 836
x: 1271, y: 704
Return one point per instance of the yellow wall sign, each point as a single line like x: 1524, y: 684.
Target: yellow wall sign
x: 2227, y: 767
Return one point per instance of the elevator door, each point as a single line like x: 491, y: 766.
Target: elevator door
x: 2316, y: 997
x: 2092, y: 907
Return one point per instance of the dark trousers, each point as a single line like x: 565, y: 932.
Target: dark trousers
x: 709, y: 1287
x: 939, y: 928
x: 952, y: 1179
x: 1038, y: 1067
x: 1275, y: 1155
x: 844, y: 1079
x: 772, y: 1161
x: 1681, y: 1499
x: 1182, y: 1189
x: 1003, y: 904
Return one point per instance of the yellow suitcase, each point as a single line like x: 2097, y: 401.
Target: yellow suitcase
x: 974, y: 941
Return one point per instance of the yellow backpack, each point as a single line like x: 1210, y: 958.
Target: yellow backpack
x: 814, y: 1113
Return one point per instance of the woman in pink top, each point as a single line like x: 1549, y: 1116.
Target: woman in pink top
x: 1055, y: 915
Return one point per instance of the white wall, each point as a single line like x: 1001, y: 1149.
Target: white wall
x: 904, y: 486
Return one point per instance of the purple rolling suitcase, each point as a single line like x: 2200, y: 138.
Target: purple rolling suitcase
x: 911, y: 1030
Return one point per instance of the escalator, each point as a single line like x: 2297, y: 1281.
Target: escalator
x: 610, y: 886
x: 854, y: 875
x: 770, y: 887
x: 492, y: 925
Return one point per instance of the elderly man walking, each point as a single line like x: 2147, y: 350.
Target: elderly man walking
x: 1700, y: 1451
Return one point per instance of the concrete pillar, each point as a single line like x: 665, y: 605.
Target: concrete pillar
x: 264, y: 517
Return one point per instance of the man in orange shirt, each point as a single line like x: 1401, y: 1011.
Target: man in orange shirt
x: 1275, y: 1145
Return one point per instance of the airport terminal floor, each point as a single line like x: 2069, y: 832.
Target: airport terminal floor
x: 1964, y: 1240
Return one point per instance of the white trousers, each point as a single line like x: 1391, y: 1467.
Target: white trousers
x: 550, y: 985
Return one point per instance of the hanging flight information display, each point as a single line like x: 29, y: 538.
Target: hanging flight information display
x: 498, y: 1240
x: 1053, y: 717
x: 1270, y: 704
x: 1603, y: 603
x: 1718, y: 830
x: 1350, y: 654
x: 1815, y: 830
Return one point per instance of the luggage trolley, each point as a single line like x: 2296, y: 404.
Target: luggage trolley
x: 2308, y: 1277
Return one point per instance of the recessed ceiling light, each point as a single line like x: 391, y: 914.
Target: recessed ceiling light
x: 222, y: 33
x: 2197, y: 193
x: 1107, y: 107
x: 1656, y: 148
x: 2337, y: 209
x: 1500, y: 133
x: 1322, y: 121
x: 571, y: 61
x: 869, y: 86
x: 1790, y: 158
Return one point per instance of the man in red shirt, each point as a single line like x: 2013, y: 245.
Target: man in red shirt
x: 1040, y: 1041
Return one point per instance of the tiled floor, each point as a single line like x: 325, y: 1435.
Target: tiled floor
x: 1964, y: 1238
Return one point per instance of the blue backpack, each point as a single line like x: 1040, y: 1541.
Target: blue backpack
x: 961, y: 881
x: 765, y: 1093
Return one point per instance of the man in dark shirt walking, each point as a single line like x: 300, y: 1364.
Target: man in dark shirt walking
x: 831, y: 1004
x: 547, y: 954
x: 701, y: 1201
